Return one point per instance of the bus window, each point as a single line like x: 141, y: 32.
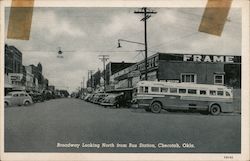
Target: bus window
x: 146, y: 90
x: 203, y: 92
x: 220, y: 93
x: 155, y: 89
x: 213, y: 93
x: 192, y: 91
x: 165, y: 90
x: 227, y: 94
x: 140, y: 89
x: 173, y: 90
x: 182, y: 90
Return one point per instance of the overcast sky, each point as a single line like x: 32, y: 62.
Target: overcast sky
x: 89, y: 32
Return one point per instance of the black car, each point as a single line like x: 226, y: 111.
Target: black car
x: 114, y: 100
x: 36, y: 96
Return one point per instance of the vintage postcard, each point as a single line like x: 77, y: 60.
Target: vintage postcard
x: 124, y: 80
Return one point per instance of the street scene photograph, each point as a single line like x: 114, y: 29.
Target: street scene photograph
x: 123, y: 80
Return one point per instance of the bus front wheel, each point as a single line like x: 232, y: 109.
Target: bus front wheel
x: 156, y: 107
x: 215, y: 110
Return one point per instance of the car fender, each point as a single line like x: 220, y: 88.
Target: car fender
x: 7, y: 102
x: 30, y: 100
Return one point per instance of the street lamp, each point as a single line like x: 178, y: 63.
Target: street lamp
x: 146, y: 59
x: 119, y: 42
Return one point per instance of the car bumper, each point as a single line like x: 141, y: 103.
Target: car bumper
x: 106, y: 104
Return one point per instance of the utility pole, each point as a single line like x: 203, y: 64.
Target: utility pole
x: 90, y: 73
x: 104, y: 58
x: 147, y: 14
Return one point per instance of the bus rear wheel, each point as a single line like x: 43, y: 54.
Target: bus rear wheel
x: 156, y: 107
x: 215, y: 110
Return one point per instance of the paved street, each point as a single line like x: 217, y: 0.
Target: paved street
x: 67, y: 122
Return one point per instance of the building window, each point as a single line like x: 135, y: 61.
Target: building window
x: 219, y: 79
x: 188, y: 77
x: 146, y: 90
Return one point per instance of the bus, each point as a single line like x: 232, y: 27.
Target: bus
x: 154, y: 96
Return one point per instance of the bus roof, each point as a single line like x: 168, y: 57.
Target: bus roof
x: 183, y: 85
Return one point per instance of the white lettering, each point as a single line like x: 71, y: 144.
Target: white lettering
x: 197, y: 58
x: 218, y: 58
x: 229, y: 59
x: 186, y: 57
x: 207, y: 59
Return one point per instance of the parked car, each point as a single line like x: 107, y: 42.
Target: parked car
x: 101, y: 97
x: 91, y: 98
x: 96, y: 98
x: 36, y: 96
x: 114, y: 100
x: 17, y: 98
x: 86, y: 98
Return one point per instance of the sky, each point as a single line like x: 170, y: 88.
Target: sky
x: 88, y: 32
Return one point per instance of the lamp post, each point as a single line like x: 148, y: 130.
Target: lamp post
x: 146, y: 57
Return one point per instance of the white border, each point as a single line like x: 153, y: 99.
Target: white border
x: 244, y: 4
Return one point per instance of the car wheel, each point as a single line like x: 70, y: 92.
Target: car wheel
x: 156, y: 107
x: 215, y: 110
x: 26, y: 103
x: 117, y: 105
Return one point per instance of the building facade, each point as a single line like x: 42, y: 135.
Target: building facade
x: 191, y: 68
x: 13, y: 68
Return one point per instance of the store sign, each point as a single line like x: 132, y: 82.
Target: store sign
x: 209, y: 58
x: 15, y: 77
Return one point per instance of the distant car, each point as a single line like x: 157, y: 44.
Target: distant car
x: 36, y: 96
x: 114, y: 100
x: 90, y: 98
x: 86, y: 98
x: 17, y: 98
x: 95, y: 98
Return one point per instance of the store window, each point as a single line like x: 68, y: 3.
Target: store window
x: 188, y: 77
x: 219, y: 79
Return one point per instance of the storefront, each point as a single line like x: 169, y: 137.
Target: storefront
x: 191, y: 68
